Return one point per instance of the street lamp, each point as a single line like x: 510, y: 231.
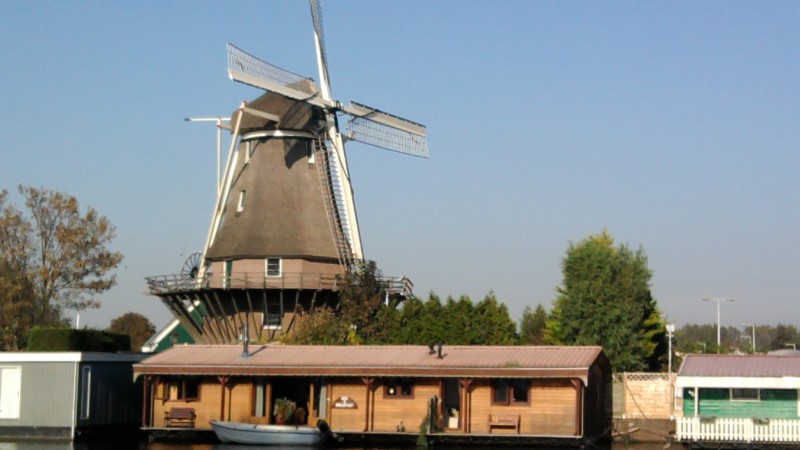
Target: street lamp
x: 718, y: 300
x: 753, y: 340
x: 670, y: 330
x: 218, y: 121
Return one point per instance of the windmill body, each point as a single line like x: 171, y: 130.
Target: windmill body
x: 284, y: 228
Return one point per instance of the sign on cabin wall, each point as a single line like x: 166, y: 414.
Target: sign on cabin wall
x: 345, y: 402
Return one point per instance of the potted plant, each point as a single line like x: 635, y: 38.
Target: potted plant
x: 452, y: 421
x: 284, y: 409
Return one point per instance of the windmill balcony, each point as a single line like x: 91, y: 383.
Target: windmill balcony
x: 165, y: 284
x: 175, y: 283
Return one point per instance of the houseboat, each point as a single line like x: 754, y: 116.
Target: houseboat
x: 739, y: 400
x: 66, y: 395
x: 460, y: 394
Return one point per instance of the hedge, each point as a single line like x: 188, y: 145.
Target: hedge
x: 69, y: 340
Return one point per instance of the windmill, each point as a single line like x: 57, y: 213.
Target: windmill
x: 284, y: 226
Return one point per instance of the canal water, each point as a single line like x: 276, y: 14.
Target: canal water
x: 133, y: 445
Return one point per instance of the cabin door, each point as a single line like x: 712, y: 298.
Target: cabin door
x: 10, y: 384
x: 451, y: 402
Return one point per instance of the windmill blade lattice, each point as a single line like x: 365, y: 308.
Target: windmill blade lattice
x: 363, y: 129
x: 246, y: 68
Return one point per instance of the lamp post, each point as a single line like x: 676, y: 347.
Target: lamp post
x: 718, y: 300
x: 670, y: 330
x: 753, y: 340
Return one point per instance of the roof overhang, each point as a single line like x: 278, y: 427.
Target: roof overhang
x: 738, y: 382
x: 438, y: 372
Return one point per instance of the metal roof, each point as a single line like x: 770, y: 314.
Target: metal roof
x: 278, y: 359
x: 740, y: 366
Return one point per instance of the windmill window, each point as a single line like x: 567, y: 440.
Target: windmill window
x: 272, y: 319
x: 273, y: 267
x: 240, y: 205
x: 248, y: 152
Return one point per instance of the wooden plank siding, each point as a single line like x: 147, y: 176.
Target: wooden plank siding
x: 348, y: 419
x: 773, y: 404
x: 389, y: 412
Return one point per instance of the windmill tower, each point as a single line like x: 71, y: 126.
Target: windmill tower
x: 284, y: 227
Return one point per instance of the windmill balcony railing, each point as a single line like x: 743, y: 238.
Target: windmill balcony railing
x: 748, y: 430
x: 164, y: 284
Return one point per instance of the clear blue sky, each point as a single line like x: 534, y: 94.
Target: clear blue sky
x: 675, y: 125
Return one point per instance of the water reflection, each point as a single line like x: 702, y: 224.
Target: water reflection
x: 134, y: 445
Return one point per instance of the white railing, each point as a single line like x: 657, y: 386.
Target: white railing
x: 737, y: 430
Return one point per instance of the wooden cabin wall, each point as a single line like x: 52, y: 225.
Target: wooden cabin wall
x: 597, y: 409
x: 389, y: 412
x: 552, y: 409
x: 238, y: 399
x: 347, y: 419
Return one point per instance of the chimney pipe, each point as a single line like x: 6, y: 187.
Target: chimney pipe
x: 245, y: 340
x: 440, y: 351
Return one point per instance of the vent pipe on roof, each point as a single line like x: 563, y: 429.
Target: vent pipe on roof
x: 430, y: 348
x: 245, y: 339
x: 439, y: 356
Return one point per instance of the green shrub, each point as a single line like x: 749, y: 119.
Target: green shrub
x: 69, y: 340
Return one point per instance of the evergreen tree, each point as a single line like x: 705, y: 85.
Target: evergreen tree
x: 493, y: 323
x: 605, y: 300
x: 532, y: 326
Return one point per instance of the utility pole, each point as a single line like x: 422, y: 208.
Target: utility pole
x: 718, y: 300
x: 670, y: 330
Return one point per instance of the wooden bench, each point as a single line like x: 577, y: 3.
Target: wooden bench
x: 178, y: 417
x: 503, y: 421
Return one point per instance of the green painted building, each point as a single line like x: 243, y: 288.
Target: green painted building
x: 739, y: 398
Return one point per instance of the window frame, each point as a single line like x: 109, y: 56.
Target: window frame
x: 273, y: 273
x: 240, y: 203
x: 510, y: 388
x: 741, y: 398
x: 177, y: 389
x: 86, y: 393
x: 403, y: 388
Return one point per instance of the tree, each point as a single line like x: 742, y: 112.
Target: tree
x: 532, y: 325
x: 494, y: 323
x: 54, y: 258
x: 321, y: 327
x: 605, y: 300
x: 135, y: 325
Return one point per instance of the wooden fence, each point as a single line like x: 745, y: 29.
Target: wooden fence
x: 757, y: 430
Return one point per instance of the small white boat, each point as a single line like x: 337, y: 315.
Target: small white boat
x: 248, y: 433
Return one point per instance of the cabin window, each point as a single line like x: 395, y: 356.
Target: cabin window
x: 510, y: 392
x: 273, y: 267
x: 397, y: 388
x: 86, y: 391
x: 184, y: 389
x: 741, y: 394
